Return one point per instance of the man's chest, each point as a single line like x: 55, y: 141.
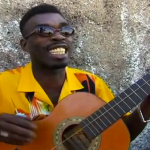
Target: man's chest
x: 42, y: 101
x: 53, y: 95
x: 36, y: 104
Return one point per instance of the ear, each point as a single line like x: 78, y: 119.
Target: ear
x: 24, y: 45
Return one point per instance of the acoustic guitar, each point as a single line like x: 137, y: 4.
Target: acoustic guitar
x: 83, y: 121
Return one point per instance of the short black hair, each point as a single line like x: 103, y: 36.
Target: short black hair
x: 40, y: 9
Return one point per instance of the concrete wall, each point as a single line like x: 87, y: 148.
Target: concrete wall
x: 112, y: 40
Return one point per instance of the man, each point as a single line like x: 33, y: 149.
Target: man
x: 47, y: 37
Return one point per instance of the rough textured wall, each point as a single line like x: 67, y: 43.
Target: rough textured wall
x: 112, y: 40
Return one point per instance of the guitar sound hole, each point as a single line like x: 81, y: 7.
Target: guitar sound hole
x: 79, y: 141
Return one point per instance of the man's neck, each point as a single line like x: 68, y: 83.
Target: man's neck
x: 49, y: 78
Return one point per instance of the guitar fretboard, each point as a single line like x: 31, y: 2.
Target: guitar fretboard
x: 114, y: 110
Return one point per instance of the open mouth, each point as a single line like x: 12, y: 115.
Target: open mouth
x: 58, y: 51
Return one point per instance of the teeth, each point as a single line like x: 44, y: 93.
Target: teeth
x: 58, y: 51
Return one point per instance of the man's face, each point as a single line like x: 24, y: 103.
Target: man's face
x: 51, y: 51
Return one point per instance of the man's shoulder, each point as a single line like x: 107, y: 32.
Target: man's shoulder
x: 81, y: 71
x: 11, y: 72
x: 10, y: 75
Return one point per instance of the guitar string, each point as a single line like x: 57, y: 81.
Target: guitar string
x: 98, y: 117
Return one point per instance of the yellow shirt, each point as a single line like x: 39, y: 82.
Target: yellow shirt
x: 15, y: 83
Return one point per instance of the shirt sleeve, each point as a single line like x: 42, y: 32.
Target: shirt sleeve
x: 6, y: 104
x: 103, y: 91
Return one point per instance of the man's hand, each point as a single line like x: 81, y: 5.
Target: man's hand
x: 16, y: 130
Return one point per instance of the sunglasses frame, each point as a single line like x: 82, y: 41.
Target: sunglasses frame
x: 36, y: 30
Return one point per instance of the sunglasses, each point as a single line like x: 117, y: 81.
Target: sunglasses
x: 47, y: 31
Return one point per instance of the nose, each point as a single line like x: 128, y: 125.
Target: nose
x: 57, y: 37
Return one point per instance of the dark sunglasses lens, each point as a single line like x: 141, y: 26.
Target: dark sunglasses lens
x: 45, y: 31
x: 67, y: 31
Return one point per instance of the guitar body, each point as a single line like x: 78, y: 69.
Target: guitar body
x: 71, y: 111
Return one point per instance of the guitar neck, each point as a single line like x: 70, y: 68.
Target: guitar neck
x: 100, y: 120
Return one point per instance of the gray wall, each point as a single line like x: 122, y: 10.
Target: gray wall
x: 112, y: 40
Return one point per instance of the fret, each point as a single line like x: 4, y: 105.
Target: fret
x: 121, y: 109
x: 135, y: 87
x: 118, y: 108
x: 123, y: 100
x: 130, y: 99
x: 114, y: 110
x: 146, y: 81
x: 88, y: 129
x: 141, y: 89
x: 102, y: 112
x: 142, y: 92
x: 95, y: 124
x: 141, y: 81
x: 111, y: 117
x: 109, y: 107
x: 105, y: 118
x: 103, y: 127
x: 138, y: 94
x: 122, y: 97
x: 97, y: 117
x: 140, y: 85
x: 100, y: 125
x: 145, y: 87
x: 131, y: 103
